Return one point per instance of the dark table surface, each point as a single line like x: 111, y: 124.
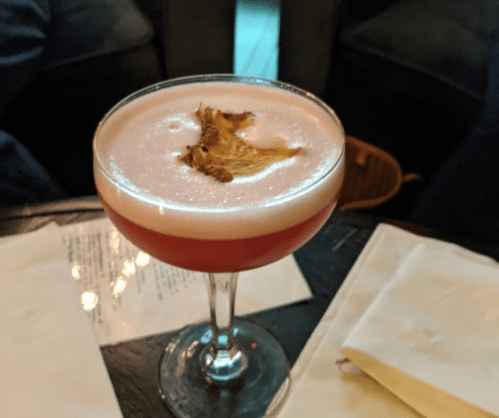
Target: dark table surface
x: 325, y: 262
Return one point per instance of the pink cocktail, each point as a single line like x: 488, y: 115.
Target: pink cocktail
x: 229, y: 255
x: 188, y: 219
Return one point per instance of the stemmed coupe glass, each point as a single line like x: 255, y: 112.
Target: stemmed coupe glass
x: 227, y: 367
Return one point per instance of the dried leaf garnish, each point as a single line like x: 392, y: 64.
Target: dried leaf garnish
x: 223, y: 155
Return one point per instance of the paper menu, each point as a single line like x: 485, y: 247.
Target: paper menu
x: 50, y: 363
x: 128, y: 294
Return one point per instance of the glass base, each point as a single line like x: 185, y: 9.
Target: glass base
x: 257, y: 393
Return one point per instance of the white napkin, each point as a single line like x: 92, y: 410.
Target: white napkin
x: 318, y: 388
x: 432, y: 335
x: 50, y: 362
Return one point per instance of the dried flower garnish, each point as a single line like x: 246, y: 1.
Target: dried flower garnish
x: 222, y: 154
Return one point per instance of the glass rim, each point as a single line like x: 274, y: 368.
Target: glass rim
x: 207, y: 78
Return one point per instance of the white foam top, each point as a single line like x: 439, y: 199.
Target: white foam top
x: 139, y: 174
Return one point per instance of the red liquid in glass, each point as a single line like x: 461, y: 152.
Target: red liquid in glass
x: 221, y: 255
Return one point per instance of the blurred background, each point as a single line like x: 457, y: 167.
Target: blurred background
x: 256, y: 46
x: 416, y: 82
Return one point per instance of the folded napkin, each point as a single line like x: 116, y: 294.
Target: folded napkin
x: 320, y: 389
x: 432, y: 335
x: 50, y: 362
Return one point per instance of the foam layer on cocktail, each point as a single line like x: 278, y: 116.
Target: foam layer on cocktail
x: 141, y: 177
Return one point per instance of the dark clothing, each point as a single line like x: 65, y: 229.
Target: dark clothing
x: 463, y: 198
x: 37, y: 36
x: 22, y: 178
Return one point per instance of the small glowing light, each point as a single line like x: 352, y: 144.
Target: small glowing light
x: 119, y: 286
x: 161, y: 210
x: 170, y: 347
x: 129, y: 268
x: 142, y: 259
x: 206, y: 337
x: 191, y: 349
x: 114, y: 241
x: 75, y: 271
x: 89, y: 300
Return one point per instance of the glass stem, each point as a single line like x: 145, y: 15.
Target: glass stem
x: 222, y: 361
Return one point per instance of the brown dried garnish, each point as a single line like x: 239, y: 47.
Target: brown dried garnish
x: 222, y: 154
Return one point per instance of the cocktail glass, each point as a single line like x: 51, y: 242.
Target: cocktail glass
x: 227, y: 367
